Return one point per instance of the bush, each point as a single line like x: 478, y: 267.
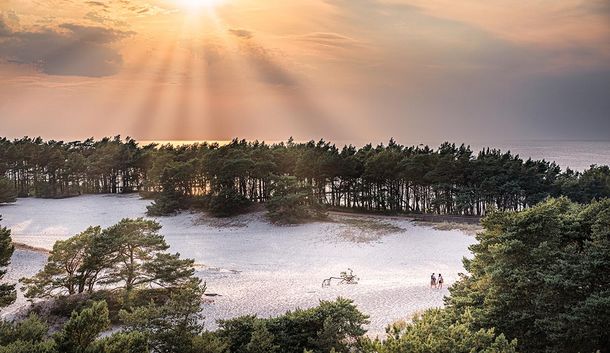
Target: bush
x: 228, y: 203
x: 46, y: 190
x: 164, y: 204
x: 331, y: 325
x: 7, y: 290
x: 7, y: 191
x: 436, y: 332
x: 58, y: 310
x: 31, y: 329
x: 83, y: 328
x: 292, y: 203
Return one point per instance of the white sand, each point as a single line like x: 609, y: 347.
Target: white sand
x: 258, y: 268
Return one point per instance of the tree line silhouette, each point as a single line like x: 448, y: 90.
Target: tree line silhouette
x: 450, y: 179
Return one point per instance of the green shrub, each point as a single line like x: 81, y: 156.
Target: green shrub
x: 331, y: 325
x: 8, y: 193
x: 293, y: 203
x: 228, y: 203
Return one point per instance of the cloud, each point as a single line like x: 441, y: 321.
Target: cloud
x: 418, y: 69
x: 93, y: 34
x: 241, y: 33
x: 577, y: 104
x: 564, y: 27
x: 142, y: 9
x: 103, y: 19
x: 327, y: 39
x: 268, y: 68
x: 262, y: 59
x: 69, y: 49
x: 97, y: 4
x: 560, y: 35
x: 5, y: 30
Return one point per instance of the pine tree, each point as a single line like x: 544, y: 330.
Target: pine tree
x: 129, y: 254
x: 293, y: 203
x: 261, y: 340
x: 7, y: 191
x: 83, y: 328
x: 7, y: 291
x: 140, y: 256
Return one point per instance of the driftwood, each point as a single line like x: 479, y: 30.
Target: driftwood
x: 346, y: 277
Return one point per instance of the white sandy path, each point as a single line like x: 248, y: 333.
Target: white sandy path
x: 264, y: 269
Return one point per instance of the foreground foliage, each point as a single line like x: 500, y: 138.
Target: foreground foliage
x: 172, y: 326
x: 175, y: 328
x: 7, y: 290
x: 330, y: 326
x: 80, y: 334
x: 541, y: 276
x: 436, y: 331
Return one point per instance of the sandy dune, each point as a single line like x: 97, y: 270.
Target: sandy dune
x: 258, y: 268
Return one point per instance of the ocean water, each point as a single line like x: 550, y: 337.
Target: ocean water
x: 576, y: 155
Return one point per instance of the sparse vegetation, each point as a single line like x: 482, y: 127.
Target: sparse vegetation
x: 468, y: 228
x: 363, y: 229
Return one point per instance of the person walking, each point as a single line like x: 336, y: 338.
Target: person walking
x: 440, y: 281
x: 433, y: 281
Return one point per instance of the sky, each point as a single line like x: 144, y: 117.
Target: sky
x: 344, y: 70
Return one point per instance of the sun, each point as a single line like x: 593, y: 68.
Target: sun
x: 198, y: 4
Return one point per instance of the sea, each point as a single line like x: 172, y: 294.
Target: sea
x: 574, y: 154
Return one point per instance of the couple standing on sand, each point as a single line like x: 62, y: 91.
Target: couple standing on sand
x: 436, y: 282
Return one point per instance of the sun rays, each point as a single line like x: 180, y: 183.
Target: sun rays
x: 190, y: 72
x: 206, y: 79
